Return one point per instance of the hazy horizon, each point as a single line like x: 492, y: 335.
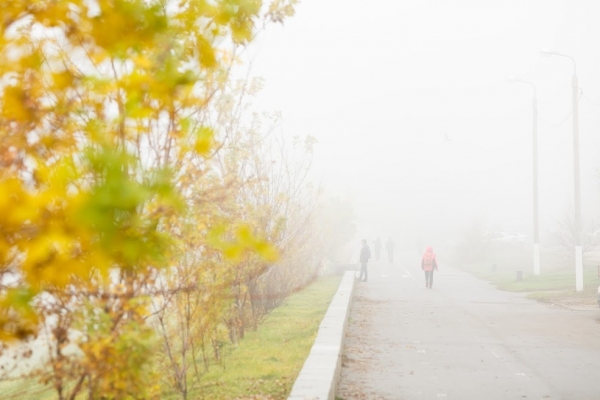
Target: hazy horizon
x: 416, y: 122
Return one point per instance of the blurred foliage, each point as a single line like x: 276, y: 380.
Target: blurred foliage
x: 261, y: 239
x: 107, y: 149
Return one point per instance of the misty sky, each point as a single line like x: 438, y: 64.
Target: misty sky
x: 413, y: 114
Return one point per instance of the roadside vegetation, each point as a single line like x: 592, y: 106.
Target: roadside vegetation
x: 501, y: 263
x: 555, y: 286
x: 150, y: 218
x: 268, y: 361
x: 262, y: 366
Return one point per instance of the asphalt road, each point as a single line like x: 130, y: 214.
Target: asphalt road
x: 464, y: 339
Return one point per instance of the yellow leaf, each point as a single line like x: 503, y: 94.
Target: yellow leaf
x: 204, y: 141
x: 14, y: 104
x: 244, y: 235
x: 207, y: 52
x: 266, y: 251
x: 233, y: 252
x: 142, y: 62
x: 62, y: 80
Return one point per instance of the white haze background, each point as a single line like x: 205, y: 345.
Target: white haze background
x: 415, y: 120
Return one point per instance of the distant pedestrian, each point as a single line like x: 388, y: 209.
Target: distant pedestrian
x: 365, y: 255
x: 429, y: 264
x: 389, y: 245
x: 377, y: 249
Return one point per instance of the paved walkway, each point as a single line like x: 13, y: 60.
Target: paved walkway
x: 463, y: 339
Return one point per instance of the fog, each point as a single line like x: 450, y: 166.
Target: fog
x: 416, y: 122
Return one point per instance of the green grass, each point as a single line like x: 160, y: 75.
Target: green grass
x: 556, y: 279
x: 25, y: 389
x: 266, y: 363
x: 555, y: 285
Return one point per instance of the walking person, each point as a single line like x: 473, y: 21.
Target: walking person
x: 429, y: 264
x: 365, y: 255
x: 389, y: 245
x: 377, y: 248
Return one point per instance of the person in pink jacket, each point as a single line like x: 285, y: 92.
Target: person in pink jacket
x: 429, y: 264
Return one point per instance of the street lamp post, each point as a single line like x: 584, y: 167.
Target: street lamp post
x: 536, y: 223
x: 576, y: 179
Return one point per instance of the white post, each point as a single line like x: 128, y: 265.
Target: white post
x: 536, y: 218
x: 579, y: 268
x: 536, y: 259
x: 576, y: 178
x: 577, y: 187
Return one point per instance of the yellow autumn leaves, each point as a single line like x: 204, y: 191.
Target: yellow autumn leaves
x: 110, y: 179
x: 243, y: 241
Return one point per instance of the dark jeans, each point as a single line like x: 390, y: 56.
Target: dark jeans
x: 363, y: 269
x: 429, y: 278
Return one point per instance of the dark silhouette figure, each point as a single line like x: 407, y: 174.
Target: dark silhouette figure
x: 429, y: 264
x: 365, y: 255
x: 389, y: 245
x: 377, y: 249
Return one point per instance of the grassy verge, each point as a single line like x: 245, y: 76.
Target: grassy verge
x: 263, y: 366
x: 553, y: 286
x: 266, y: 362
x: 25, y: 389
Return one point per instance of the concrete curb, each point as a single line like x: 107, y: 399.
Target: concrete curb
x: 320, y: 374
